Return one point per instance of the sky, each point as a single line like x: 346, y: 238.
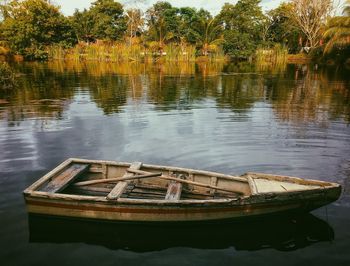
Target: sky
x: 214, y: 6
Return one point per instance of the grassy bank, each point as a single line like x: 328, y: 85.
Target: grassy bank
x: 121, y: 52
x: 277, y: 55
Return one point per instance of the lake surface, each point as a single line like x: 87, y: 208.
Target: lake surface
x: 291, y: 120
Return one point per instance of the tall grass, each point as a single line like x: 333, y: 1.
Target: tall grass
x: 277, y: 55
x: 119, y: 52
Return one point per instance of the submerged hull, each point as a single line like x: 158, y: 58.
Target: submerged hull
x: 189, y: 210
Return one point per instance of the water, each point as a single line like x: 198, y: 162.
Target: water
x: 291, y: 120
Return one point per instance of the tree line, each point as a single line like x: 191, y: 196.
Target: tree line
x: 30, y: 27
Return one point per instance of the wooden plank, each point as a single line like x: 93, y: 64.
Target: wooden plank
x: 47, y: 177
x: 60, y: 182
x: 290, y: 179
x: 267, y: 186
x: 191, y: 182
x: 164, y: 168
x: 118, y: 190
x: 104, y: 170
x: 110, y: 180
x: 213, y: 182
x: 252, y: 185
x: 174, y: 191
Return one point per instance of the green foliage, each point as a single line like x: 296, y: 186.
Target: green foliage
x: 238, y: 45
x: 103, y: 21
x: 109, y: 21
x: 183, y: 26
x: 208, y: 34
x: 30, y: 25
x: 243, y: 24
x: 337, y: 32
x: 187, y: 21
x: 283, y: 29
x: 82, y: 23
x: 7, y: 76
x: 162, y: 23
x: 37, y: 30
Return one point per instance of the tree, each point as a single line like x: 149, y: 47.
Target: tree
x: 108, y: 20
x: 188, y: 22
x: 208, y: 33
x: 104, y: 20
x: 135, y: 18
x: 83, y: 24
x: 310, y: 16
x: 283, y: 29
x: 31, y: 25
x: 135, y: 22
x: 162, y: 23
x: 243, y: 25
x: 337, y: 31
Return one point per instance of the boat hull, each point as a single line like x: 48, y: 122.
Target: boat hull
x: 172, y: 194
x: 130, y: 212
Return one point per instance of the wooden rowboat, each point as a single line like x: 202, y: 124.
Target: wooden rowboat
x: 136, y: 192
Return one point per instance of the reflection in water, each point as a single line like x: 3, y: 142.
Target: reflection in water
x: 314, y: 96
x: 298, y: 94
x: 280, y: 233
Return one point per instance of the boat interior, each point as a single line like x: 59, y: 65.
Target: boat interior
x: 114, y: 180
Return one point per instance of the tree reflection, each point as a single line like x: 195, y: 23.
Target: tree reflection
x: 298, y: 94
x: 309, y: 95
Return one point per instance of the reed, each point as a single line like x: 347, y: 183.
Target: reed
x: 123, y: 51
x: 276, y: 55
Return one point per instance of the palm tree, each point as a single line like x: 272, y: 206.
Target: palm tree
x: 208, y: 35
x: 338, y: 30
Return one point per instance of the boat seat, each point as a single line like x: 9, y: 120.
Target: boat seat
x: 120, y: 187
x: 68, y: 175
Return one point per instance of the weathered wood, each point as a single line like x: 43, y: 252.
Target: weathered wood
x: 110, y: 180
x: 91, y: 189
x: 252, y: 185
x: 165, y: 168
x: 60, y: 182
x: 174, y: 191
x: 149, y: 204
x: 199, y: 184
x: 147, y: 191
x: 213, y: 182
x: 188, y: 182
x: 48, y: 176
x: 289, y: 179
x: 136, y: 171
x: 104, y: 170
x: 118, y: 190
x: 151, y: 186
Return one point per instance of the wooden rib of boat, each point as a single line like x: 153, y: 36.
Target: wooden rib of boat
x: 136, y: 192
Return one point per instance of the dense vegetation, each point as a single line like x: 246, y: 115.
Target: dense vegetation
x: 110, y: 31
